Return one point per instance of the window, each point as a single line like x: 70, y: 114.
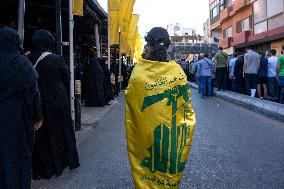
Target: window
x: 274, y: 7
x: 260, y: 27
x: 259, y: 11
x: 244, y: 25
x: 214, y: 12
x: 228, y: 32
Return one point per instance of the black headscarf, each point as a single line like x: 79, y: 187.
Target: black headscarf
x: 42, y: 41
x: 16, y: 72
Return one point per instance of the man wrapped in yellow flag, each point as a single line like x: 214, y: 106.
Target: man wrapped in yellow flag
x: 159, y: 117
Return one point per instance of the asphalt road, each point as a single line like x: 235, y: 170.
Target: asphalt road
x: 232, y: 148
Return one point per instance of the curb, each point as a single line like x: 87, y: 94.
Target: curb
x: 269, y: 109
x: 88, y: 126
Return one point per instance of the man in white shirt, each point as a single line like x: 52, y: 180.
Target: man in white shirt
x: 272, y: 81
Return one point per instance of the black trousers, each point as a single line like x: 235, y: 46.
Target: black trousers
x: 221, y: 76
x: 250, y: 82
x: 240, y: 85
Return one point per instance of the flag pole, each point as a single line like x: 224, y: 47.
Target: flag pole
x: 21, y: 20
x: 71, y: 54
x: 119, y: 69
x: 108, y: 36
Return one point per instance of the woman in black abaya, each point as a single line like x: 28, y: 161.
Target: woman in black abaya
x: 107, y: 81
x: 20, y: 112
x: 55, y: 144
x: 94, y: 96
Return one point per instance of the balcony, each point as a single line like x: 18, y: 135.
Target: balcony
x: 226, y: 43
x: 240, y: 38
x: 225, y: 13
x: 239, y: 4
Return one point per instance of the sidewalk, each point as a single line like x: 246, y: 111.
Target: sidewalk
x: 90, y: 116
x: 270, y: 109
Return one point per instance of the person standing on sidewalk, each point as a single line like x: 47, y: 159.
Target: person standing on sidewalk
x: 55, y: 143
x: 20, y: 112
x: 232, y: 64
x: 251, y: 65
x: 196, y: 73
x: 280, y: 74
x: 238, y: 73
x: 272, y: 81
x: 221, y: 65
x: 262, y: 77
x: 205, y: 66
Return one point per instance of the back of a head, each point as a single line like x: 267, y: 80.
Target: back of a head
x: 10, y: 41
x: 42, y: 40
x: 273, y: 52
x: 158, y: 42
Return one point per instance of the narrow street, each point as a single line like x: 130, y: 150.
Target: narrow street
x: 232, y: 148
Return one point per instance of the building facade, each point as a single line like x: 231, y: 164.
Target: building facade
x: 255, y: 23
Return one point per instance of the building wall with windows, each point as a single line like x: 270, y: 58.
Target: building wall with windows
x: 238, y: 22
x: 255, y: 23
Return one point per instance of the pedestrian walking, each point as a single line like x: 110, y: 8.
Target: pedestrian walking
x: 221, y: 65
x: 55, y: 143
x: 280, y: 74
x: 160, y: 97
x: 251, y: 65
x: 262, y: 77
x: 272, y: 81
x: 205, y: 66
x: 20, y: 112
x: 232, y: 64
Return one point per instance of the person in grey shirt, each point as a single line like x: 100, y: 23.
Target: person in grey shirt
x: 204, y: 70
x: 251, y: 65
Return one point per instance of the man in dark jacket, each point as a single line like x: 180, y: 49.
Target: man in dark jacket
x: 238, y: 73
x: 20, y: 112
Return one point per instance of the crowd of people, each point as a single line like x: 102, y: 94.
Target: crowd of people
x: 37, y: 132
x: 255, y: 74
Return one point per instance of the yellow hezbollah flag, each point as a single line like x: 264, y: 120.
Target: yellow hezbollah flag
x: 125, y: 20
x: 78, y: 7
x: 159, y: 124
x: 132, y: 30
x: 113, y: 13
x: 138, y: 49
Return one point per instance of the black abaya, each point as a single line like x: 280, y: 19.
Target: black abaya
x: 55, y: 143
x: 19, y: 108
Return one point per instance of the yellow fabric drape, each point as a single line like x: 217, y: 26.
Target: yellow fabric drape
x: 138, y: 49
x: 114, y: 7
x: 159, y: 124
x: 78, y: 6
x: 133, y: 32
x: 125, y: 20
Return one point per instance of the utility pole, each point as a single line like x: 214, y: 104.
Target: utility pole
x: 71, y: 54
x: 58, y: 27
x: 21, y: 20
